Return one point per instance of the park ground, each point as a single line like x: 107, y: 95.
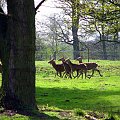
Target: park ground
x: 75, y: 99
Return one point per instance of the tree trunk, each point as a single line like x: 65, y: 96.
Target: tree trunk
x: 104, y: 50
x: 19, y: 88
x: 115, y: 47
x: 104, y: 44
x: 75, y: 26
x: 76, y: 52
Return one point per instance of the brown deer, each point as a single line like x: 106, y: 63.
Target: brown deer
x: 67, y: 68
x: 58, y: 67
x: 79, y: 68
x: 91, y: 66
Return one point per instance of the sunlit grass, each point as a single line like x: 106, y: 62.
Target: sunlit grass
x: 100, y: 94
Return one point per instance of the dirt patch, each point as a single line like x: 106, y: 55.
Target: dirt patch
x: 8, y: 112
x: 66, y: 114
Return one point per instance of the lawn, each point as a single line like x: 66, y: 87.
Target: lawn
x: 76, y: 99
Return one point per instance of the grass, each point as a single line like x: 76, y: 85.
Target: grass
x: 75, y: 98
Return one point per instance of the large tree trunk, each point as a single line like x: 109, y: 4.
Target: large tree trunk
x: 76, y: 52
x: 19, y: 88
x: 115, y: 47
x: 104, y: 44
x: 75, y: 26
x: 104, y: 50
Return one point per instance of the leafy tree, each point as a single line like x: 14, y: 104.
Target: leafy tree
x: 102, y: 17
x: 72, y: 11
x: 52, y: 35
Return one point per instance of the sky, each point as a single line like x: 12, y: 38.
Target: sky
x: 47, y: 8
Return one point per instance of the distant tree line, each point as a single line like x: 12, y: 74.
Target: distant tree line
x: 46, y: 52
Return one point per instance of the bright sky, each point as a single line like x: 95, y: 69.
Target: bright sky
x: 47, y: 8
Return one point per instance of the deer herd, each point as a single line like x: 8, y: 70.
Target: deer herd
x: 67, y: 68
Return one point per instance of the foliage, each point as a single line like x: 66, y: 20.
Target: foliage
x: 92, y: 20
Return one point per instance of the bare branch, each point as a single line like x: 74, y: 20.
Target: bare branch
x: 107, y: 41
x: 39, y: 5
x: 114, y: 3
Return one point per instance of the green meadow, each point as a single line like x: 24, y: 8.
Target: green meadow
x: 77, y: 99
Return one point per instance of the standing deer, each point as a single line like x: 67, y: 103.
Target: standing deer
x: 68, y: 70
x: 79, y: 68
x: 58, y: 67
x: 91, y: 66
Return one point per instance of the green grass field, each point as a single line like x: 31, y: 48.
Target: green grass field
x: 74, y: 99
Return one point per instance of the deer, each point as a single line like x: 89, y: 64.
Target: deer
x: 90, y: 66
x: 79, y: 68
x: 58, y: 67
x: 67, y: 68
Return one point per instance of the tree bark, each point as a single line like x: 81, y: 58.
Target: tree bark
x: 75, y: 26
x: 104, y: 44
x: 76, y: 48
x: 18, y: 92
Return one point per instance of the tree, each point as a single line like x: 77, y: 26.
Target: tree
x: 18, y: 57
x: 72, y: 11
x: 52, y: 33
x: 102, y: 17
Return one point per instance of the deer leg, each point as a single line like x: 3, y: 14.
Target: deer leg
x: 99, y: 72
x: 76, y: 75
x: 64, y: 74
x: 85, y: 74
x: 79, y: 74
x: 92, y: 73
x: 82, y: 75
x: 56, y: 74
x: 70, y: 76
x: 60, y: 74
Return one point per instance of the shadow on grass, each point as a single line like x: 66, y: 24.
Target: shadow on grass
x: 37, y: 115
x: 46, y: 117
x: 69, y: 99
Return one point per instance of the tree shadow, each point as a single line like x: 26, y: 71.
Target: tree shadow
x: 69, y: 99
x: 44, y: 118
x: 37, y: 115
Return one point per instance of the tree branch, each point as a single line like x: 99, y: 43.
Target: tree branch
x: 39, y: 5
x: 116, y: 4
x: 108, y: 41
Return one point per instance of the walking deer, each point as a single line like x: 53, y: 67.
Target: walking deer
x: 58, y: 67
x: 67, y: 68
x: 91, y: 66
x: 79, y: 68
